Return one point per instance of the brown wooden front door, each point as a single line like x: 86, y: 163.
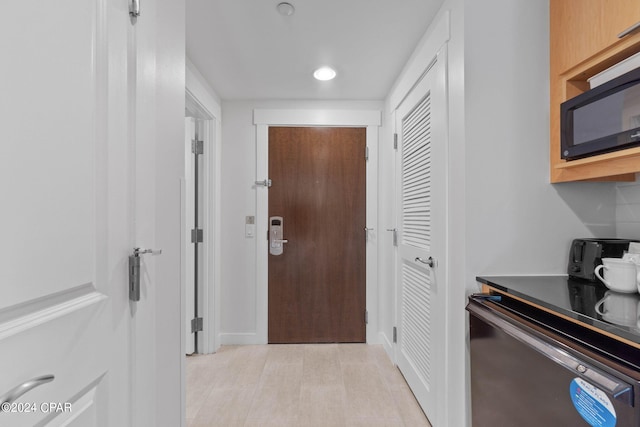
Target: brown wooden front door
x: 317, y: 285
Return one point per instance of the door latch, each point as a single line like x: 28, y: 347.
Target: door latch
x: 134, y: 271
x: 264, y: 183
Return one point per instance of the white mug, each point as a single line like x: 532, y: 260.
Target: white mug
x: 618, y: 308
x: 621, y: 276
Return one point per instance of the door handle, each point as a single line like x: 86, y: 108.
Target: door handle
x: 429, y: 261
x: 264, y: 183
x: 16, y: 392
x: 617, y: 388
x: 276, y: 232
x: 140, y: 251
x: 134, y: 271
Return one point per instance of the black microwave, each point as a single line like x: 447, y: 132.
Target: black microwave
x: 603, y: 119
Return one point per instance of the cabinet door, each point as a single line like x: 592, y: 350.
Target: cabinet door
x: 582, y: 28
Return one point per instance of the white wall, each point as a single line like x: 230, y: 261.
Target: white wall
x: 628, y: 209
x: 238, y: 291
x: 517, y: 222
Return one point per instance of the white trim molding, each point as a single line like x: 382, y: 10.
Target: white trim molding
x: 200, y: 91
x: 436, y: 36
x: 262, y: 119
x: 335, y: 118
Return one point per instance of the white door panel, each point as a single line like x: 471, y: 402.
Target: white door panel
x: 421, y: 189
x: 72, y: 142
x: 64, y: 346
x: 37, y: 182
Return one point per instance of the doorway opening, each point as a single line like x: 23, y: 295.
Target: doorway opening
x: 369, y: 121
x: 200, y: 226
x: 204, y: 109
x: 193, y: 231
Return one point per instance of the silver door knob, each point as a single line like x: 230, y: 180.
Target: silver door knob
x: 429, y: 261
x: 16, y: 392
x: 141, y: 251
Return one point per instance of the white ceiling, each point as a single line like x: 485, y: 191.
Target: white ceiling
x: 247, y: 50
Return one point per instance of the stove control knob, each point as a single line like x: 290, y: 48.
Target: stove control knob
x: 582, y: 369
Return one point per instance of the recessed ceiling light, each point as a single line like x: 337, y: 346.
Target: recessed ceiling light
x: 324, y: 73
x: 285, y: 9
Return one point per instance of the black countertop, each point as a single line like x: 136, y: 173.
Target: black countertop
x: 576, y: 299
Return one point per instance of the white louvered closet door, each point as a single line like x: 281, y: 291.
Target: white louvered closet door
x: 421, y: 189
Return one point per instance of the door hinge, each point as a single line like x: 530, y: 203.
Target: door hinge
x: 197, y: 147
x: 196, y: 324
x: 196, y: 235
x: 366, y: 317
x: 394, y: 235
x: 366, y: 153
x: 395, y: 141
x: 395, y: 334
x: 264, y: 183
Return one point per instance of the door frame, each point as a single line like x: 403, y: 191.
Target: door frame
x: 202, y: 105
x: 262, y: 119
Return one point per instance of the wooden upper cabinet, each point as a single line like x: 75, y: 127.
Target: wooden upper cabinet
x: 581, y: 29
x: 583, y: 42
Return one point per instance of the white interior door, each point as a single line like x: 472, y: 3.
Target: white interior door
x: 421, y: 187
x: 77, y: 174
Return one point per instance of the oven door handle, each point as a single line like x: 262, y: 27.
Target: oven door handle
x: 618, y: 389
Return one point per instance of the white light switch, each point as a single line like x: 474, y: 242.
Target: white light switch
x: 250, y: 226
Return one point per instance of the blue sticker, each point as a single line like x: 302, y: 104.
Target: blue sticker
x: 592, y: 404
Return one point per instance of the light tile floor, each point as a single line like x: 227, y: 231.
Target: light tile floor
x: 299, y: 385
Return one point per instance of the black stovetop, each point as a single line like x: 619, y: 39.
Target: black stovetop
x: 576, y: 299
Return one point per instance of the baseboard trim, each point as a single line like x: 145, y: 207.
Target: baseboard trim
x: 242, y: 338
x: 387, y: 345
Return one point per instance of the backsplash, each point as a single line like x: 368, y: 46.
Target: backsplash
x: 628, y: 209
